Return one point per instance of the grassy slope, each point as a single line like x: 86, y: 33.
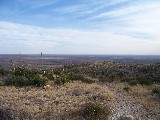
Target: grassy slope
x: 56, y: 102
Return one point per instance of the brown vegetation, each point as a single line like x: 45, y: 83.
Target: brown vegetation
x: 55, y: 102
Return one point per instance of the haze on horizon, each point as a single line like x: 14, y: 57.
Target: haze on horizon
x: 80, y: 27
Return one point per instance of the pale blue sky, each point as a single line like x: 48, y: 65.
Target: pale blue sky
x: 80, y: 26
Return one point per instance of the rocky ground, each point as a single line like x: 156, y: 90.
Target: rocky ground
x: 125, y: 105
x: 64, y: 102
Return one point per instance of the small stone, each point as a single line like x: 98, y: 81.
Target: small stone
x: 77, y: 92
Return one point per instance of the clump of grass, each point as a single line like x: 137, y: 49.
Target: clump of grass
x: 20, y: 81
x: 133, y: 82
x: 127, y: 88
x: 8, y: 79
x: 24, y: 77
x: 73, y: 76
x: 35, y: 81
x: 50, y: 76
x: 62, y: 79
x: 87, y: 80
x: 156, y: 91
x: 1, y: 82
x: 143, y: 80
x: 38, y: 81
x: 95, y: 111
x: 3, y: 71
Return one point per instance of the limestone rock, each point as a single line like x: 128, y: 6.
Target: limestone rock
x: 77, y: 92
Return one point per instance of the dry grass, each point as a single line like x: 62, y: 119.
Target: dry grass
x: 141, y: 94
x: 56, y: 102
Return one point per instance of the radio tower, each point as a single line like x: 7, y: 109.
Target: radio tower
x: 41, y: 54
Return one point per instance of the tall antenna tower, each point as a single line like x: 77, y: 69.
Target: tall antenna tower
x: 41, y: 54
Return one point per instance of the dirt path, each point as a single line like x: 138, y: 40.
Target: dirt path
x: 124, y: 106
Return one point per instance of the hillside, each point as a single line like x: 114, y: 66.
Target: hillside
x: 88, y: 90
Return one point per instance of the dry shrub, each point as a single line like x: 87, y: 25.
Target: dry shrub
x: 95, y: 111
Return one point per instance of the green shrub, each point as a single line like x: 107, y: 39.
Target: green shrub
x: 38, y: 81
x: 20, y: 81
x: 144, y: 80
x: 156, y: 91
x: 19, y: 71
x: 35, y: 81
x: 61, y: 80
x: 9, y: 79
x: 50, y: 76
x: 57, y: 72
x: 127, y: 88
x: 88, y: 80
x: 95, y: 111
x: 3, y: 72
x: 103, y: 79
x: 1, y: 83
x: 112, y: 77
x: 73, y: 76
x: 106, y: 79
x: 133, y: 82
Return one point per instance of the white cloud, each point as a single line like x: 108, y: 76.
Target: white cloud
x: 128, y: 10
x: 139, y: 19
x: 31, y: 39
x: 88, y: 7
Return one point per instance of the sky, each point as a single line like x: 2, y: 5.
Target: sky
x: 117, y: 27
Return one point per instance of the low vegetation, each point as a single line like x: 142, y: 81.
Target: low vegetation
x: 72, y: 85
x: 110, y: 71
x: 156, y: 91
x: 127, y: 88
x: 70, y: 101
x: 95, y: 111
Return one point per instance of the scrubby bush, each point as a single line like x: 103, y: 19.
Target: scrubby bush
x: 8, y: 79
x: 62, y: 79
x: 3, y: 71
x: 127, y: 88
x: 50, y: 76
x: 19, y: 71
x: 38, y: 81
x: 156, y: 91
x: 73, y: 76
x: 88, y: 80
x: 145, y: 81
x: 107, y: 78
x: 95, y: 111
x: 25, y: 72
x: 20, y: 81
x: 103, y: 79
x: 1, y: 82
x: 133, y: 82
x: 140, y: 80
x: 35, y: 81
x: 57, y: 72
